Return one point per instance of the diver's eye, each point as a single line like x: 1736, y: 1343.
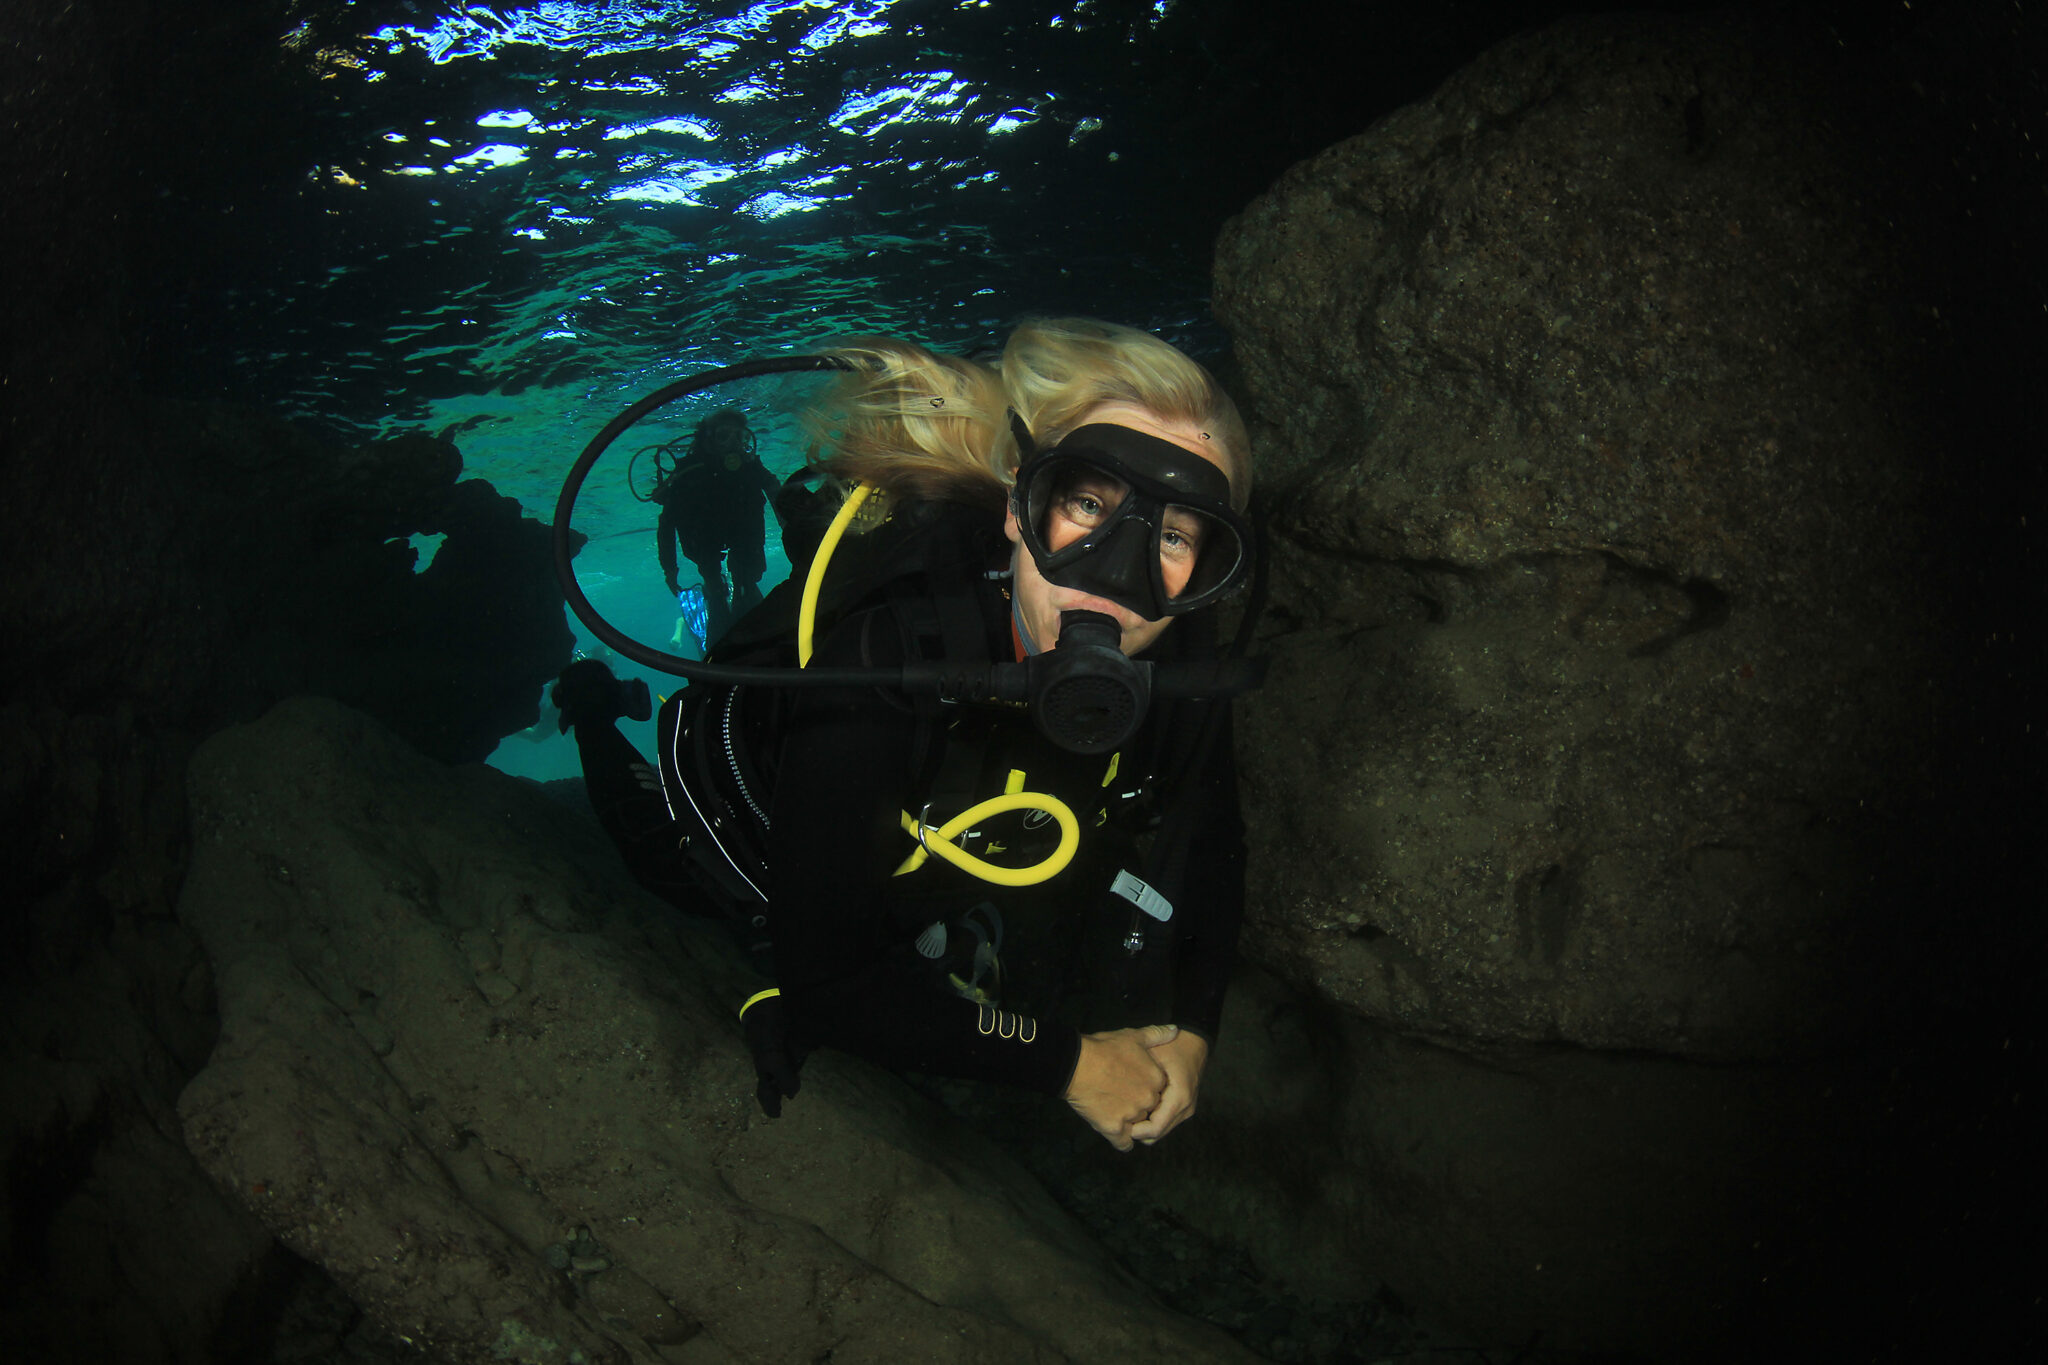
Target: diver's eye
x: 1087, y: 501
x: 1180, y: 538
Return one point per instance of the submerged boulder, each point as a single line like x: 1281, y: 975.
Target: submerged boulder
x: 500, y: 1095
x: 1599, y: 398
x: 175, y: 567
x: 1600, y: 622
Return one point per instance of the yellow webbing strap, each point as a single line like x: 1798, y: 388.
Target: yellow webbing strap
x: 757, y: 997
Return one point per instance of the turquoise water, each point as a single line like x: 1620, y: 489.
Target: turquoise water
x: 618, y: 569
x: 515, y: 219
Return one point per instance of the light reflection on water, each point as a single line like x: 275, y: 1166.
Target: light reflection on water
x: 518, y: 219
x: 545, y: 210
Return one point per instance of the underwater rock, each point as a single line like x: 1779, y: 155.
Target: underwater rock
x: 1600, y: 622
x: 213, y: 560
x: 579, y: 1166
x: 302, y: 548
x: 114, y: 1245
x: 1600, y: 395
x: 1410, y: 1196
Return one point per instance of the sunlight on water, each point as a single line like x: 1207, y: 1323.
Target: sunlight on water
x: 525, y: 217
x: 650, y: 189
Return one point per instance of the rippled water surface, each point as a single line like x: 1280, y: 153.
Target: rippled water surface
x: 514, y: 218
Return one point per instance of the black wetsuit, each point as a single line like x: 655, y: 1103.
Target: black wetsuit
x: 1074, y: 957
x: 845, y: 929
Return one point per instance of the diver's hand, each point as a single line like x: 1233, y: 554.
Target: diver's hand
x: 1119, y: 1080
x: 1182, y: 1060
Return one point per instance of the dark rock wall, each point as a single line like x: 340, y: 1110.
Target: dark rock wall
x: 1589, y: 392
x: 218, y: 561
x: 285, y: 569
x: 192, y: 567
x: 1633, y: 569
x: 170, y: 567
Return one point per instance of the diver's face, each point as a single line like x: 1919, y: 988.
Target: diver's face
x: 1076, y: 511
x: 728, y: 441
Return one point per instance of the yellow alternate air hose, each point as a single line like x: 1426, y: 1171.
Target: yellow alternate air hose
x: 814, y: 582
x: 939, y: 840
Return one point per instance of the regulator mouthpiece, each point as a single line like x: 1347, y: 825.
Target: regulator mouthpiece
x: 1087, y: 695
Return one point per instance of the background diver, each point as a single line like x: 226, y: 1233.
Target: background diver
x: 711, y: 505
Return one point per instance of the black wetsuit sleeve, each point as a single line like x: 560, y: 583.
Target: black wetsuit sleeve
x: 1212, y: 889
x: 665, y: 543
x: 850, y: 979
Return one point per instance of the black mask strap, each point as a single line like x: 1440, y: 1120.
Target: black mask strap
x: 1026, y: 445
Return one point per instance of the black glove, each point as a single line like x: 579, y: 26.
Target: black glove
x: 776, y: 1061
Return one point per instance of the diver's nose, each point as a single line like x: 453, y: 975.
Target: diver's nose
x: 1120, y: 569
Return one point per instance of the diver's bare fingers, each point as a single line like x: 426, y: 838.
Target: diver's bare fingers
x: 1114, y: 1133
x: 1161, y: 1122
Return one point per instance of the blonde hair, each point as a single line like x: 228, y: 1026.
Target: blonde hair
x: 1056, y: 370
x: 924, y: 425
x: 914, y: 423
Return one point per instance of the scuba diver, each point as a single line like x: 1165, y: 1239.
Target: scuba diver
x: 952, y: 888
x: 711, y: 504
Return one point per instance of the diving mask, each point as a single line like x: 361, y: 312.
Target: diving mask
x: 1131, y: 518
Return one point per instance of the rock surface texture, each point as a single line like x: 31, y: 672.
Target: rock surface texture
x: 176, y: 567
x: 1598, y: 612
x: 1598, y: 399
x: 500, y: 1095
